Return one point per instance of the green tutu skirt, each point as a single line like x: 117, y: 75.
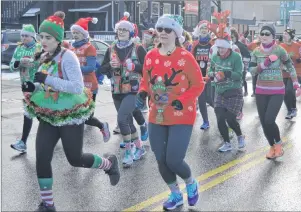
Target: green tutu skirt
x: 60, y: 110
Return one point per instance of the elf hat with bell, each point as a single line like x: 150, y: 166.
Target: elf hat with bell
x: 125, y: 24
x: 82, y: 25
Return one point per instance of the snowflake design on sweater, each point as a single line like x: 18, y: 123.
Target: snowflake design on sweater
x: 148, y: 61
x: 183, y: 53
x: 183, y: 77
x: 181, y: 62
x: 183, y: 90
x: 190, y: 108
x: 157, y: 61
x: 167, y: 63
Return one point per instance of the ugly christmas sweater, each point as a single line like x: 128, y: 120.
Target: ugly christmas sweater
x: 232, y: 63
x: 169, y: 78
x: 294, y: 51
x: 25, y: 51
x: 86, y: 54
x: 200, y: 50
x: 270, y: 79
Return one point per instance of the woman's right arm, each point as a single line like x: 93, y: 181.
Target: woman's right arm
x: 71, y: 68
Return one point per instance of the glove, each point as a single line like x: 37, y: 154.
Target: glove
x: 40, y: 77
x: 227, y: 74
x: 130, y: 66
x: 177, y: 105
x: 267, y: 62
x: 28, y: 87
x: 220, y: 76
x: 140, y: 101
x: 298, y: 60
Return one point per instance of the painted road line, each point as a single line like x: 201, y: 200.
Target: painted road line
x: 227, y: 176
x: 159, y: 197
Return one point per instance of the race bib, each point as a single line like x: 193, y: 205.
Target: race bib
x: 202, y: 64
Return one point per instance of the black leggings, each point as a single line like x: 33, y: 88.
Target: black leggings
x: 268, y: 107
x: 254, y: 81
x: 72, y: 140
x: 244, y: 81
x: 290, y: 94
x: 27, y: 124
x: 223, y: 116
x: 92, y: 121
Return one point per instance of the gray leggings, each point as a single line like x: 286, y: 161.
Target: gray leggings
x: 125, y: 106
x: 169, y: 144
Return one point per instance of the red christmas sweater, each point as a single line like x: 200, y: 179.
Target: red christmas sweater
x: 169, y: 78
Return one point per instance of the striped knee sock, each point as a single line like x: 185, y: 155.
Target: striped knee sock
x: 46, y: 190
x: 174, y: 187
x: 101, y: 163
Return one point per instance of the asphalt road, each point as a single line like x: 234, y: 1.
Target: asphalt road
x: 237, y: 180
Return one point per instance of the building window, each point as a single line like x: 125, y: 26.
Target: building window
x: 142, y: 11
x: 180, y: 10
x: 155, y: 11
x: 166, y: 8
x: 190, y: 20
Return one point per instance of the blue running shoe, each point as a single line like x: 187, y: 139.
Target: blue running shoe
x: 205, y: 125
x: 193, y: 193
x: 174, y: 200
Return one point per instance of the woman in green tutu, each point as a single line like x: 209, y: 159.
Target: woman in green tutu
x: 62, y: 104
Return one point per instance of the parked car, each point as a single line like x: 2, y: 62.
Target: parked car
x: 9, y: 42
x: 100, y: 46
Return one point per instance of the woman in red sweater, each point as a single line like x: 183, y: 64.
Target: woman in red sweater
x: 173, y: 80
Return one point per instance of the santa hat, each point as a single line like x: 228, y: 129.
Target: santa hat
x: 82, y: 25
x: 224, y: 41
x: 125, y: 24
x: 196, y: 31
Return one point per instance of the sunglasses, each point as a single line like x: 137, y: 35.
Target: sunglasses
x: 265, y: 34
x: 167, y: 30
x: 122, y: 30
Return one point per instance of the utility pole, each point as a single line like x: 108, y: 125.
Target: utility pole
x: 121, y: 8
x: 285, y: 10
x: 231, y: 16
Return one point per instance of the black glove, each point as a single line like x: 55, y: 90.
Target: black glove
x: 16, y: 64
x: 40, y: 77
x: 177, y: 105
x: 28, y: 87
x: 227, y: 74
x: 298, y: 60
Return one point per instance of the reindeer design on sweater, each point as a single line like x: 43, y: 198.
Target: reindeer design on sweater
x: 161, y: 88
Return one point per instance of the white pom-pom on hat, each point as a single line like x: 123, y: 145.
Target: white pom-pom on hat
x: 181, y: 39
x: 126, y: 14
x: 94, y: 20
